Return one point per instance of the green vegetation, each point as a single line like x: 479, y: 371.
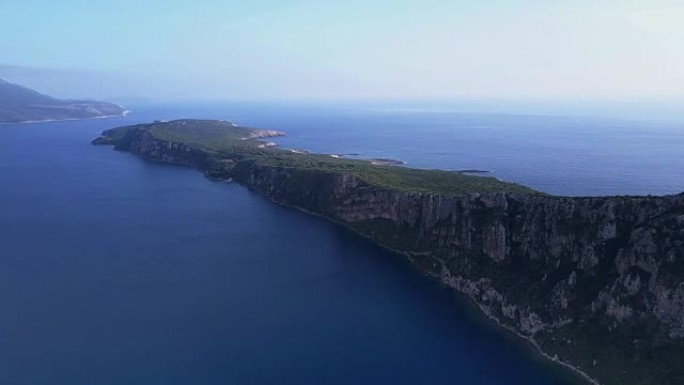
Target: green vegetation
x: 393, y: 177
x: 622, y: 356
x: 223, y: 141
x: 213, y: 135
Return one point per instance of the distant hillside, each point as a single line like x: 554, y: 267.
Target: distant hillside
x: 20, y: 104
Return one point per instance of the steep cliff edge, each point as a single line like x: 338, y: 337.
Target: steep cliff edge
x: 596, y: 283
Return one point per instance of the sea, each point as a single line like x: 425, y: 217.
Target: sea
x: 116, y: 270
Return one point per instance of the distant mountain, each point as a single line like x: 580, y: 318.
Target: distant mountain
x: 20, y: 104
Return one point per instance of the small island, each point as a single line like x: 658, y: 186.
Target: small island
x: 596, y: 284
x: 19, y: 104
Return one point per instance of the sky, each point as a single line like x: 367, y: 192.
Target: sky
x: 319, y: 50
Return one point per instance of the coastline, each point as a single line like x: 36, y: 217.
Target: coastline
x: 539, y: 349
x: 121, y: 115
x: 483, y: 311
x: 293, y: 185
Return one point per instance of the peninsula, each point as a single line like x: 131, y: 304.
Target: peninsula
x: 595, y: 283
x: 20, y: 105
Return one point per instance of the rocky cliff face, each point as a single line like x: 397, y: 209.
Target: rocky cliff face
x: 144, y: 144
x: 597, y: 283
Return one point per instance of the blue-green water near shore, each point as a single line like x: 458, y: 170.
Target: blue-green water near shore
x: 114, y: 270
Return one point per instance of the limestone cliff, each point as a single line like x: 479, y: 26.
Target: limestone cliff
x: 595, y: 282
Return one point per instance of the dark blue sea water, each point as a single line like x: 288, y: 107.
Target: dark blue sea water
x: 114, y: 270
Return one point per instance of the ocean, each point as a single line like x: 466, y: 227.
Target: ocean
x: 115, y: 270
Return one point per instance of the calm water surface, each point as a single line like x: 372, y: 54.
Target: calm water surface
x: 114, y: 270
x: 558, y: 155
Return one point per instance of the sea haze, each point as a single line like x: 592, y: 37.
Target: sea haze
x: 115, y: 270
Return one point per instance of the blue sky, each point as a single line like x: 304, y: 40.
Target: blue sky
x: 298, y: 49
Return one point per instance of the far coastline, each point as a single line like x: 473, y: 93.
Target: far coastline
x: 121, y: 115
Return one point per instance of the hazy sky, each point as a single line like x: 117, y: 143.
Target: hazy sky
x: 347, y: 49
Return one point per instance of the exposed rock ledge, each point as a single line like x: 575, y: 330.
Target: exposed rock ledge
x: 259, y: 134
